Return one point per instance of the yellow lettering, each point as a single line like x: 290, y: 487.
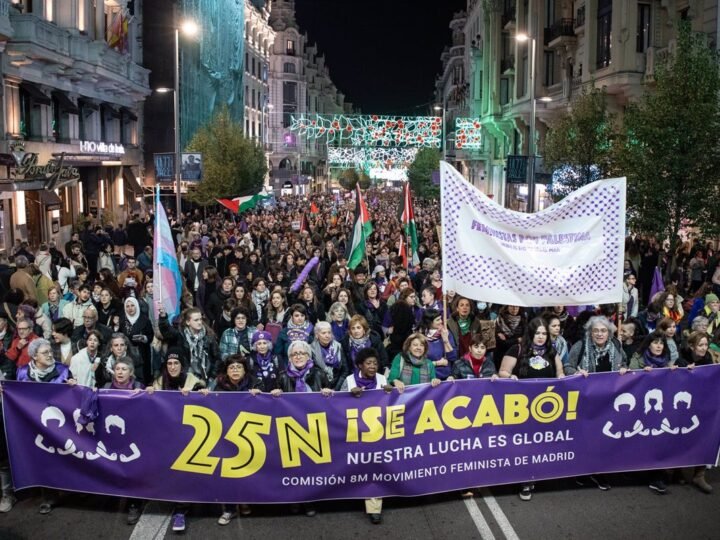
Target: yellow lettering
x: 448, y: 409
x: 429, y: 419
x: 516, y: 409
x: 371, y: 417
x: 196, y: 457
x: 487, y: 413
x: 352, y: 434
x: 294, y: 439
x: 394, y: 427
x: 245, y: 434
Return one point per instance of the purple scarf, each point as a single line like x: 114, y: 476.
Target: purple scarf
x: 339, y: 330
x: 127, y: 386
x: 365, y: 384
x: 654, y: 361
x: 330, y: 355
x: 299, y: 376
x: 264, y: 362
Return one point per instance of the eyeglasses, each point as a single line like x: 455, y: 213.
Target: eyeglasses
x: 23, y: 328
x: 48, y: 351
x: 600, y: 330
x: 236, y: 367
x: 299, y: 353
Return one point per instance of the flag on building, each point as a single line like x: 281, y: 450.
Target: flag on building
x: 117, y: 37
x: 238, y: 205
x: 167, y: 281
x: 406, y: 215
x: 569, y: 254
x: 361, y: 231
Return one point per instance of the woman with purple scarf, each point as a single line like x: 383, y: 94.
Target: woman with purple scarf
x: 366, y: 377
x: 124, y: 376
x: 302, y: 375
x: 328, y: 354
x: 442, y: 350
x: 263, y: 361
x: 360, y: 337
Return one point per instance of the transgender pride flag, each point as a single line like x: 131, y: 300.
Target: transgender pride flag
x: 167, y: 281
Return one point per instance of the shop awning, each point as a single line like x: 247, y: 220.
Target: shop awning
x: 50, y: 200
x: 131, y: 182
x: 65, y: 102
x: 37, y: 95
x: 129, y: 113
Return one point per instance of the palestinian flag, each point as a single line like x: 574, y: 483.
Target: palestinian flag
x: 407, y: 222
x: 238, y: 205
x: 362, y: 229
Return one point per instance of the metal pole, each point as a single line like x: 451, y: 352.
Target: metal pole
x: 176, y: 113
x: 531, y: 142
x: 444, y: 141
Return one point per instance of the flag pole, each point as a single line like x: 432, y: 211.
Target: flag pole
x: 442, y: 258
x: 156, y: 256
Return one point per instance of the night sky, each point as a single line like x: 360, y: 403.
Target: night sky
x: 383, y: 55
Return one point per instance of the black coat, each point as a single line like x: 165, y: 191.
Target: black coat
x: 175, y: 338
x: 316, y: 379
x: 376, y: 342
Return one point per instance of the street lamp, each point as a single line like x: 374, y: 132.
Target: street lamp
x: 522, y: 38
x: 188, y: 28
x: 444, y: 145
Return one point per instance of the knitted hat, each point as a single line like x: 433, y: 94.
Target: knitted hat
x: 379, y: 268
x: 259, y: 335
x: 711, y: 298
x: 176, y: 353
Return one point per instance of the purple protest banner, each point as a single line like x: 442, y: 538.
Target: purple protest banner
x: 238, y: 448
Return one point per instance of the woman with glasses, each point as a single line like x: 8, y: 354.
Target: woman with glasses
x: 297, y: 328
x: 598, y: 351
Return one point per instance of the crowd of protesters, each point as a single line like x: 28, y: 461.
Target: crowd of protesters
x: 251, y: 321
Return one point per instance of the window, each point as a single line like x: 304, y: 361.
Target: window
x: 253, y: 66
x: 288, y: 67
x: 504, y: 91
x: 253, y: 99
x: 55, y: 119
x: 549, y: 74
x: 604, y: 33
x: 288, y: 112
x: 290, y: 93
x: 290, y: 47
x: 644, y: 38
x: 458, y: 75
x: 247, y: 127
x: 247, y: 63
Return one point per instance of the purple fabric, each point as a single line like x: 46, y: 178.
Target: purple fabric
x: 260, y: 445
x: 658, y: 285
x: 365, y: 384
x: 654, y: 361
x: 299, y: 375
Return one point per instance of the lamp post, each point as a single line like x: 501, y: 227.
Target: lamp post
x: 188, y: 28
x: 444, y: 143
x: 522, y: 38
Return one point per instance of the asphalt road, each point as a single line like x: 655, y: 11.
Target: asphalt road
x: 559, y: 509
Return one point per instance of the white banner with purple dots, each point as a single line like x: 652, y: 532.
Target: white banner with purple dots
x: 569, y: 254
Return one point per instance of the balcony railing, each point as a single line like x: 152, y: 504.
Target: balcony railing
x: 580, y: 17
x: 563, y: 27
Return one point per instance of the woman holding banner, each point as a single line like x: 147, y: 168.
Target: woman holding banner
x: 442, y: 350
x: 533, y: 358
x: 412, y: 366
x: 598, y: 351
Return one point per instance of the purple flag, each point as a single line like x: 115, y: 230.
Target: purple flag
x: 237, y: 448
x: 658, y: 284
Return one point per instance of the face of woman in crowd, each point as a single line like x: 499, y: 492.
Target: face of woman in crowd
x: 236, y: 372
x: 427, y: 297
x: 53, y: 295
x: 417, y: 349
x: 261, y: 287
x: 325, y: 336
x: 227, y: 285
x: 174, y: 367
x: 357, y: 331
x: 463, y: 308
x: 130, y: 308
x: 298, y: 318
x: 372, y: 292
x: 627, y: 332
x: 670, y: 332
x: 478, y: 351
x: 195, y: 322
x: 93, y: 343
x: 105, y: 297
x: 307, y: 294
x: 204, y: 275
x: 600, y: 335
x: 262, y: 346
x: 290, y: 260
x: 554, y: 328
x: 701, y: 348
x: 669, y: 301
x: 411, y: 299
x: 121, y: 372
x: 437, y: 323
x: 338, y: 315
x: 337, y: 280
x: 513, y: 310
x: 701, y: 327
x: 299, y: 358
x: 541, y: 335
x: 240, y: 321
x: 43, y: 357
x: 118, y: 347
x: 239, y: 293
x: 369, y: 367
x: 656, y: 347
x: 343, y: 297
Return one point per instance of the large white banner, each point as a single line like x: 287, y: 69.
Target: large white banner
x: 569, y: 254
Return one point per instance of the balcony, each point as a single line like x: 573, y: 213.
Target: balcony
x: 66, y: 57
x: 507, y: 65
x: 507, y: 19
x: 6, y: 30
x: 560, y: 34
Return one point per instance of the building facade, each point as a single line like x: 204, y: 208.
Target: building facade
x: 300, y: 83
x: 259, y: 40
x: 611, y: 44
x: 73, y: 83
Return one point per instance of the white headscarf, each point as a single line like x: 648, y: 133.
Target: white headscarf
x: 134, y: 318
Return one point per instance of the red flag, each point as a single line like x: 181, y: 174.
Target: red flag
x: 304, y: 226
x: 403, y: 251
x: 314, y: 209
x: 230, y: 204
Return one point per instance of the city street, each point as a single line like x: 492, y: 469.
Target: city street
x: 558, y: 510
